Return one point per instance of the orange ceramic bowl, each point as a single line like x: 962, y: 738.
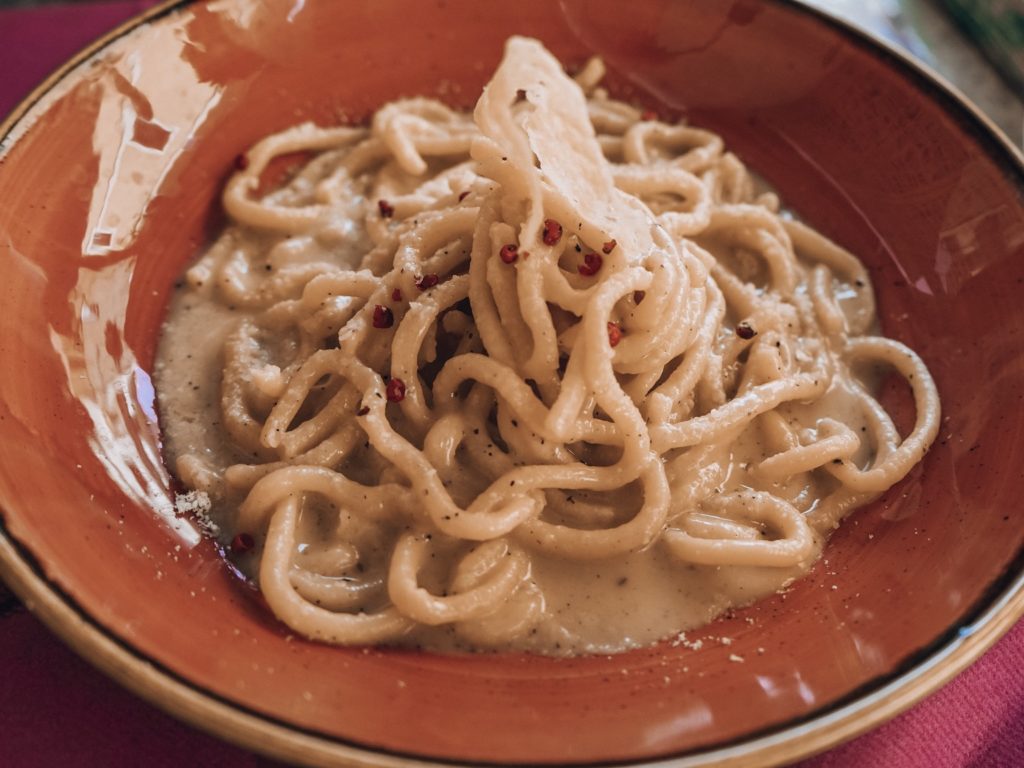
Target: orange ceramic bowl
x: 109, y: 180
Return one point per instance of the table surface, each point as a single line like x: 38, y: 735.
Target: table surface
x: 924, y: 29
x: 57, y: 710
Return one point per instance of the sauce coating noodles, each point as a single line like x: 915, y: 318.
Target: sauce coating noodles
x: 500, y: 380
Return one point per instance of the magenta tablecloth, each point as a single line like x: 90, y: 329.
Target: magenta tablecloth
x: 55, y: 710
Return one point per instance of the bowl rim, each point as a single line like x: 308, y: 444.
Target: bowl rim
x: 862, y: 710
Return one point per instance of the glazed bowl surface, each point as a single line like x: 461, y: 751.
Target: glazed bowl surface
x: 110, y: 179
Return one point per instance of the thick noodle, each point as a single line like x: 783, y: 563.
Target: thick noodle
x: 564, y: 319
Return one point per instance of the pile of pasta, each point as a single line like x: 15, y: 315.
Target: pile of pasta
x: 566, y: 317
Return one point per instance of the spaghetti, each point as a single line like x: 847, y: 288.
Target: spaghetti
x: 472, y: 365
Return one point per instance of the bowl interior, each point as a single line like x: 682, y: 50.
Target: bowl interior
x: 110, y: 185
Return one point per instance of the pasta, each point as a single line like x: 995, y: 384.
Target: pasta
x: 482, y: 372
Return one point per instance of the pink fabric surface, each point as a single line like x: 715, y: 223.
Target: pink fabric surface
x: 55, y: 709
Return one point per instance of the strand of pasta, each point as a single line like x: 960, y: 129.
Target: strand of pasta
x: 299, y: 613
